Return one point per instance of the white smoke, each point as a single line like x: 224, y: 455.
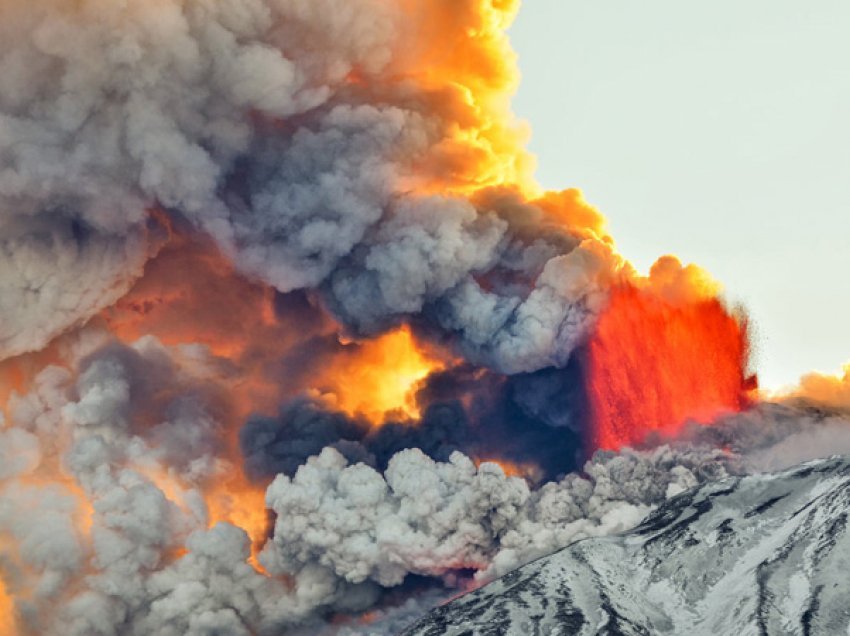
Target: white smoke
x: 430, y: 518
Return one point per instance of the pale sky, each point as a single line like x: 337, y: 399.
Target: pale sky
x: 716, y: 130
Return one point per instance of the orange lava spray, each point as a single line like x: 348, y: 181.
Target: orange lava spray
x: 654, y: 365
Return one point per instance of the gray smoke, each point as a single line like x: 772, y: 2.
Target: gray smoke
x: 430, y: 518
x: 289, y: 133
x: 109, y: 460
x: 241, y: 118
x: 107, y: 111
x: 56, y: 273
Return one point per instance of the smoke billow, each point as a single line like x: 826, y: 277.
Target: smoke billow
x: 825, y: 391
x: 531, y: 421
x: 300, y: 155
x: 112, y: 515
x: 290, y: 340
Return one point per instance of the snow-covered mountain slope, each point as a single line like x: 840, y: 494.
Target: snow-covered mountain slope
x: 762, y: 554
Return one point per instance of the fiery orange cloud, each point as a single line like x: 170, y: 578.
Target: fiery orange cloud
x: 462, y: 63
x: 832, y: 391
x: 7, y: 611
x: 230, y: 497
x: 570, y: 208
x: 236, y: 500
x: 191, y: 294
x: 383, y: 375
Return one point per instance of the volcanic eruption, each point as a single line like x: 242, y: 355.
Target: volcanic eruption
x: 655, y: 362
x: 291, y: 341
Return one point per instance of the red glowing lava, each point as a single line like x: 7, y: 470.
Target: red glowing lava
x: 653, y: 365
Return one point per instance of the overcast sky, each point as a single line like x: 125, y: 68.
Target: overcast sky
x: 718, y: 131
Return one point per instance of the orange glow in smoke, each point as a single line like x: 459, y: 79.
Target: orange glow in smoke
x: 231, y: 498
x: 17, y: 373
x: 191, y: 294
x: 7, y: 612
x: 829, y: 391
x: 461, y: 62
x: 512, y: 469
x: 570, y: 208
x: 382, y: 376
x: 241, y: 503
x: 654, y: 364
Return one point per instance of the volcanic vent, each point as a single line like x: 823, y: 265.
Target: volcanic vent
x: 655, y: 362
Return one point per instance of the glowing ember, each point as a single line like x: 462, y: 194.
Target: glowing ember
x: 382, y: 374
x: 654, y: 365
x: 6, y: 611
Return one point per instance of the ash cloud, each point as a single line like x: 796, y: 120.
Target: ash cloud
x: 306, y: 140
x: 107, y: 111
x: 130, y: 440
x: 533, y: 420
x: 435, y: 518
x: 304, y: 427
x: 231, y: 117
x: 56, y: 272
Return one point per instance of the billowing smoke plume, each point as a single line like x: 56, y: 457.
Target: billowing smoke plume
x: 530, y: 420
x: 133, y: 444
x: 290, y: 341
x: 825, y: 391
x: 296, y: 136
x: 110, y: 466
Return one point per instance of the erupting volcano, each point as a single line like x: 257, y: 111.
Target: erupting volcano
x: 290, y: 340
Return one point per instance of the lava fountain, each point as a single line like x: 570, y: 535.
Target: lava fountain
x: 654, y: 364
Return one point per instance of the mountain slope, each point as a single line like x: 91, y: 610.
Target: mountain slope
x: 762, y: 554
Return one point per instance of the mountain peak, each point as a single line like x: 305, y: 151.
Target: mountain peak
x: 761, y: 554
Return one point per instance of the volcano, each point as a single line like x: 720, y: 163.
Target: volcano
x: 292, y: 341
x: 763, y: 554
